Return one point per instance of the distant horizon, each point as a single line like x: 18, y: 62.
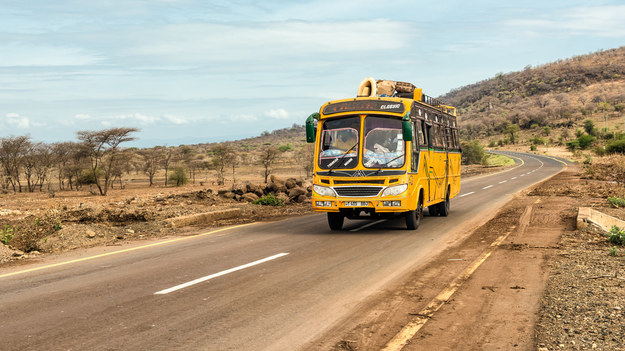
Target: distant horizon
x: 189, y: 70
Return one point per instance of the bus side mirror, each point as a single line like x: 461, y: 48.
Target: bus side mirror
x: 310, y: 127
x: 406, y: 127
x: 406, y: 130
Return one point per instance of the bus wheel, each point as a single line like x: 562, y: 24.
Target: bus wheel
x: 413, y: 218
x: 443, y: 207
x: 335, y: 220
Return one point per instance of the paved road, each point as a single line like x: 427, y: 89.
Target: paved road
x: 272, y: 286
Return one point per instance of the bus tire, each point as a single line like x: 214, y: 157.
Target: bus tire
x: 335, y: 220
x: 413, y: 218
x: 443, y: 207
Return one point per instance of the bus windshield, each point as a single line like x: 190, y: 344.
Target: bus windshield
x: 384, y: 145
x: 339, y: 143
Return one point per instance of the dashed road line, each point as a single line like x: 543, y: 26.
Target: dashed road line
x: 368, y: 225
x: 227, y: 271
x: 473, y: 192
x: 486, y: 187
x: 503, y: 181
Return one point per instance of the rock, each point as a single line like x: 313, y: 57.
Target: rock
x: 18, y: 253
x: 239, y: 189
x: 290, y: 183
x: 284, y: 197
x: 250, y: 197
x: 130, y: 231
x: 229, y: 195
x: 302, y: 198
x: 295, y: 192
x: 90, y: 234
x: 276, y: 180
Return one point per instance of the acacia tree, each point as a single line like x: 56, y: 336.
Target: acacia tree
x: 268, y: 156
x: 37, y: 162
x: 166, y: 160
x: 12, y: 152
x: 151, y: 159
x: 103, y: 148
x: 220, y: 160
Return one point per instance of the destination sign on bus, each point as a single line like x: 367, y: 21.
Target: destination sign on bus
x: 364, y: 105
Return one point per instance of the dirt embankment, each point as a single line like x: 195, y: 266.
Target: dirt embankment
x: 35, y: 223
x: 548, y: 286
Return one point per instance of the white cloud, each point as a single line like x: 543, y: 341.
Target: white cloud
x: 602, y: 21
x: 82, y: 116
x: 211, y: 42
x: 18, y: 121
x: 243, y: 118
x: 141, y: 118
x: 176, y: 119
x: 277, y: 114
x: 21, y: 54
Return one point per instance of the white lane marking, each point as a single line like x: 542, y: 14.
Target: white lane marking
x: 522, y: 175
x: 503, y: 181
x: 486, y: 187
x: 513, y: 178
x: 368, y: 225
x: 227, y: 271
x: 473, y: 192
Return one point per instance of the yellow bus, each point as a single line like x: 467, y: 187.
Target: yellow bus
x: 391, y: 151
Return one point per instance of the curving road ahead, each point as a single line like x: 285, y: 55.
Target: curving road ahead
x: 274, y: 286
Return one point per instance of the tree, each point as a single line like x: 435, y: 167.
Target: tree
x: 151, y: 159
x: 268, y: 156
x: 512, y: 130
x: 589, y: 127
x: 12, y: 152
x: 222, y: 157
x: 168, y: 153
x: 103, y: 148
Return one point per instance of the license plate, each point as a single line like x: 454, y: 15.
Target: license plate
x: 357, y: 203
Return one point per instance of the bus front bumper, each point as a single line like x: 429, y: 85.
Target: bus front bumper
x: 388, y: 205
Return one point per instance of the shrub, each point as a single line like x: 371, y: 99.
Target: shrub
x: 616, y: 147
x: 532, y: 147
x: 285, y: 148
x: 6, y: 234
x: 87, y: 177
x: 178, y: 176
x: 599, y: 151
x: 492, y: 143
x: 472, y: 153
x: 616, y: 202
x: 616, y: 236
x: 585, y: 141
x: 269, y: 200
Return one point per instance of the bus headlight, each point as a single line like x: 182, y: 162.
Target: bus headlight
x: 323, y: 191
x: 395, y: 190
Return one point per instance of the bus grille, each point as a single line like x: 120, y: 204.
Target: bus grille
x: 358, y: 190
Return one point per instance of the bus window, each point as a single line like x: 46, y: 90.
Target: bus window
x: 383, y: 142
x: 339, y: 143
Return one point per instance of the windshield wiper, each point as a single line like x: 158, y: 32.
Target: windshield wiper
x: 382, y: 166
x: 342, y: 157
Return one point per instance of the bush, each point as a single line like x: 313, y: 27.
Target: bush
x: 585, y: 141
x: 616, y: 236
x: 269, y: 200
x: 86, y: 176
x: 616, y: 202
x: 6, y: 234
x: 178, y: 176
x: 615, y: 147
x: 599, y: 151
x: 285, y: 148
x: 472, y: 153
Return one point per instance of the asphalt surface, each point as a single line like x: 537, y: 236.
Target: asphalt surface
x: 263, y: 286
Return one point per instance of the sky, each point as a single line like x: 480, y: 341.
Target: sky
x: 193, y: 71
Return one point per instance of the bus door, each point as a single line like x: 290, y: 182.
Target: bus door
x: 430, y: 162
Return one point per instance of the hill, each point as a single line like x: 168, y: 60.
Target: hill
x: 559, y: 94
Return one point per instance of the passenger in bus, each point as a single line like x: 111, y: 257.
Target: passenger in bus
x: 346, y: 141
